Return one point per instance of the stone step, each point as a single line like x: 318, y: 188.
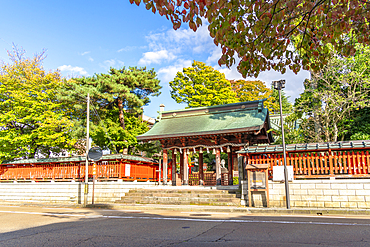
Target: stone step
x: 179, y: 202
x: 182, y: 197
x: 184, y: 191
x: 160, y: 194
x: 138, y: 198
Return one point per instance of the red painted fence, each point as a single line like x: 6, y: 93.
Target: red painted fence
x: 106, y: 170
x: 340, y: 164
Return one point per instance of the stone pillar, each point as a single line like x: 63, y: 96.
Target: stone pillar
x: 235, y: 162
x: 182, y: 167
x: 230, y: 166
x: 201, y: 174
x: 165, y: 165
x: 240, y: 170
x: 218, y: 166
x: 173, y: 167
x: 186, y: 169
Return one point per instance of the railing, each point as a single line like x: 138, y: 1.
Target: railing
x: 105, y: 170
x: 194, y: 178
x: 340, y: 164
x: 209, y: 179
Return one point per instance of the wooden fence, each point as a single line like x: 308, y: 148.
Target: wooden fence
x: 105, y: 170
x: 340, y: 164
x: 209, y: 179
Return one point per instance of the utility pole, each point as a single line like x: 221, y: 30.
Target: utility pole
x: 278, y: 85
x: 87, y: 151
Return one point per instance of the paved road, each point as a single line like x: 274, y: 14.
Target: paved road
x: 41, y: 226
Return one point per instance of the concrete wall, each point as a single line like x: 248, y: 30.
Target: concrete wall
x: 320, y: 193
x: 66, y: 192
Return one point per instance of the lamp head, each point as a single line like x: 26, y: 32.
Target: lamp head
x: 278, y: 85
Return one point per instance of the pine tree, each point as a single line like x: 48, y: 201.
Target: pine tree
x: 117, y: 98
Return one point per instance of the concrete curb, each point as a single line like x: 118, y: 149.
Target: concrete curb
x: 197, y: 208
x: 230, y: 209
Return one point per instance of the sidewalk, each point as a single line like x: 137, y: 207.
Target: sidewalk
x: 197, y: 208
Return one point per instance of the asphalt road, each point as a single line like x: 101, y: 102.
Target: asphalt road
x: 41, y: 226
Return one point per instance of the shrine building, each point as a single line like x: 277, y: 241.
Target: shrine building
x: 222, y: 128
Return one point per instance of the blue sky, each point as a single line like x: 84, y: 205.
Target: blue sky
x: 83, y: 37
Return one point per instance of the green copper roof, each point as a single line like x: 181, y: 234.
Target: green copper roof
x: 79, y: 159
x: 307, y: 147
x: 222, y: 119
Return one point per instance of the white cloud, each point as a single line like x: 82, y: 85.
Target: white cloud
x: 85, y: 53
x: 156, y: 57
x: 181, y: 40
x: 71, y: 69
x: 111, y: 63
x: 131, y: 48
x: 166, y: 74
x: 215, y: 56
x: 91, y: 59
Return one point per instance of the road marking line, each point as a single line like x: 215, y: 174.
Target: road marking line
x: 192, y: 219
x: 122, y: 210
x: 48, y: 214
x: 60, y: 208
x: 203, y: 213
x: 315, y: 216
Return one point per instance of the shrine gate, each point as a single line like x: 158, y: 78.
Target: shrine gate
x: 223, y: 128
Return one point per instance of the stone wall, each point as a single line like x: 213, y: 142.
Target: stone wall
x: 322, y: 193
x: 316, y: 193
x: 66, y: 192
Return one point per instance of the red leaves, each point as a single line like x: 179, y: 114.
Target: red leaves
x: 260, y: 32
x: 176, y: 25
x: 192, y: 26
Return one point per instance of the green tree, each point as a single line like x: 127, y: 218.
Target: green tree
x: 33, y: 123
x: 286, y: 106
x: 202, y: 85
x: 333, y: 96
x: 260, y: 32
x: 257, y: 90
x: 117, y: 98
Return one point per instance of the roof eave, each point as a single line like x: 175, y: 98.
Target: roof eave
x: 204, y: 133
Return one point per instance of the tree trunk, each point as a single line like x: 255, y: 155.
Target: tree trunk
x: 335, y: 137
x: 121, y: 112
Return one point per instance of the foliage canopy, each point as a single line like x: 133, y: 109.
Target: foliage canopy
x: 261, y: 33
x: 117, y: 98
x: 33, y: 122
x: 336, y: 98
x: 202, y: 85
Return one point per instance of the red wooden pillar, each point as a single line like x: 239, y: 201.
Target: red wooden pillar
x: 186, y: 169
x: 173, y: 167
x: 181, y: 167
x: 201, y: 174
x: 218, y: 166
x: 230, y: 166
x: 165, y: 164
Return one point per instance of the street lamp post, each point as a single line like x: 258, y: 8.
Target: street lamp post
x: 86, y: 187
x: 278, y: 85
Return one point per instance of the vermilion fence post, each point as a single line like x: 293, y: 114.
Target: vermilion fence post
x: 331, y: 164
